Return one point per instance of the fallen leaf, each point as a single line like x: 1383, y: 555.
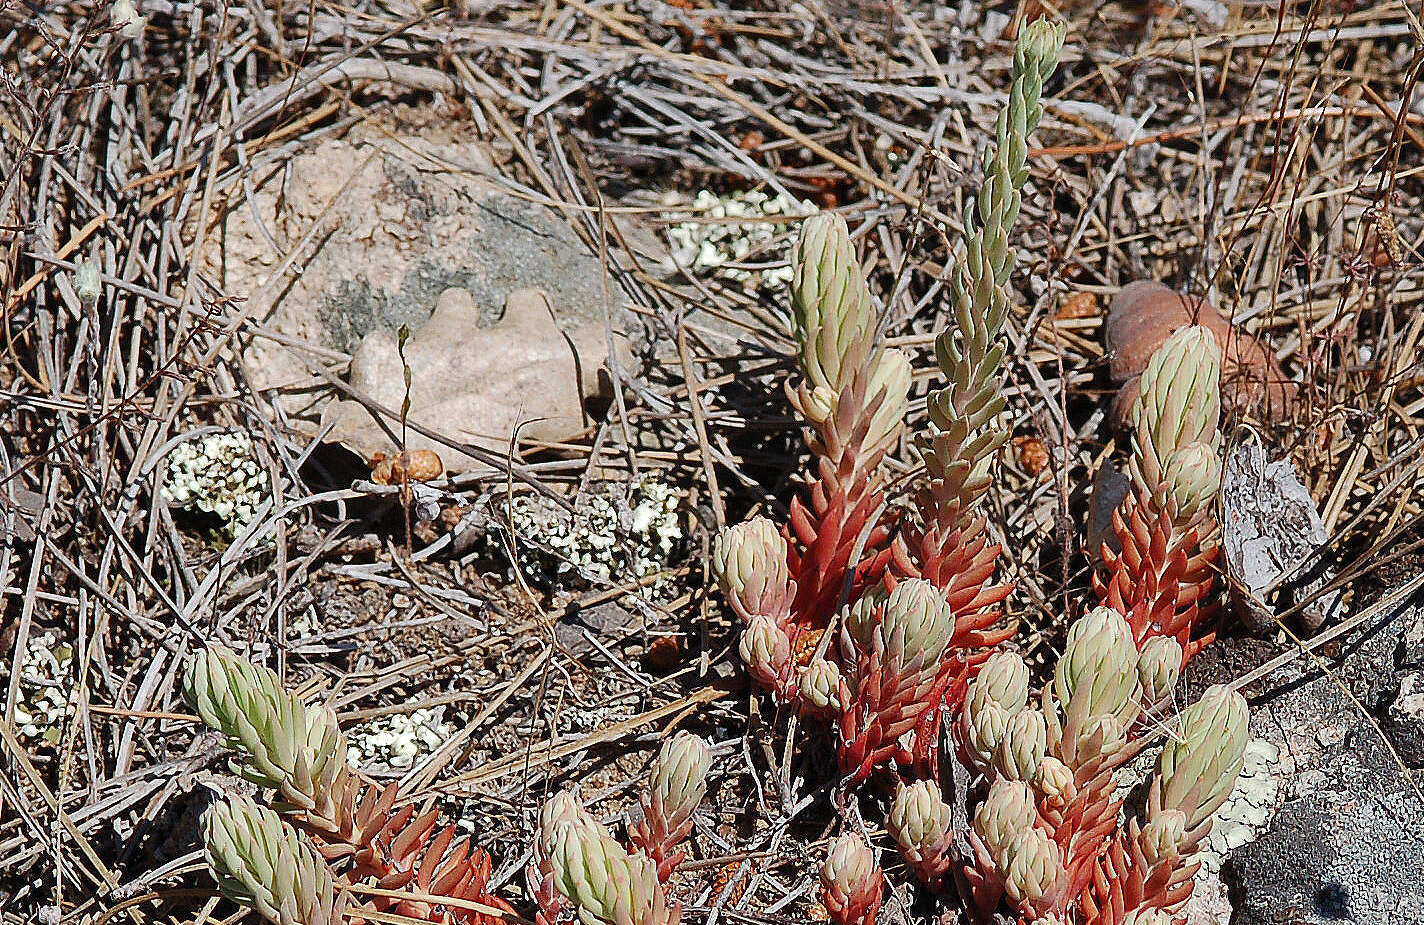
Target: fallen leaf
x: 1079, y: 305
x: 1031, y: 454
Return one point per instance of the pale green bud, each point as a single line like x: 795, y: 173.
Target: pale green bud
x: 1034, y: 868
x: 891, y: 381
x: 1003, y: 678
x: 851, y: 882
x: 297, y: 751
x: 1161, y: 838
x: 605, y: 883
x: 919, y: 817
x: 861, y: 618
x: 1102, y: 736
x: 1040, y: 43
x: 1149, y: 917
x: 984, y: 727
x: 766, y: 651
x: 916, y: 623
x: 262, y: 862
x: 1178, y: 402
x: 750, y: 562
x: 1198, y: 768
x: 1007, y: 810
x: 833, y: 319
x: 1022, y: 746
x: 820, y: 686
x: 678, y: 781
x: 562, y: 807
x: 1159, y: 664
x: 87, y: 284
x: 1054, y: 782
x: 1098, y: 671
x: 1192, y: 477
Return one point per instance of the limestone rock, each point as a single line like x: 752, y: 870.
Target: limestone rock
x: 476, y: 385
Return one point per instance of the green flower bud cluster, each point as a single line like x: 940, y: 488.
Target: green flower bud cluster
x: 297, y: 751
x: 852, y: 884
x: 920, y: 823
x: 676, y: 785
x: 262, y: 862
x: 1050, y: 766
x: 1175, y: 422
x: 606, y: 884
x: 905, y: 639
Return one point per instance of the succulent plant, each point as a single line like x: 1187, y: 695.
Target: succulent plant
x: 1161, y: 574
x: 676, y: 785
x: 888, y: 679
x: 1050, y: 810
x: 603, y: 882
x: 299, y: 754
x: 262, y: 862
x: 920, y: 823
x: 750, y: 561
x: 852, y: 884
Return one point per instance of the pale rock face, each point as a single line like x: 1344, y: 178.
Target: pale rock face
x: 478, y: 385
x: 361, y: 234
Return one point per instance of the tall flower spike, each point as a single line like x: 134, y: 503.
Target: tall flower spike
x: 750, y: 562
x: 852, y: 885
x: 963, y: 437
x: 1161, y: 574
x: 605, y: 883
x: 676, y: 786
x: 262, y: 862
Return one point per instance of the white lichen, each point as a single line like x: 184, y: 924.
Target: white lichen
x: 398, y: 739
x: 1247, y: 812
x: 711, y: 236
x: 218, y: 474
x: 614, y: 535
x: 46, y: 683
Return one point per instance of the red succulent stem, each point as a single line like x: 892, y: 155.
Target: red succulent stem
x: 1161, y: 578
x: 398, y: 849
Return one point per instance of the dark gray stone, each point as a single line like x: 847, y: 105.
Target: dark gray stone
x: 1346, y: 843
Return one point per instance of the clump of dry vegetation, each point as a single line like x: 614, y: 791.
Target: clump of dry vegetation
x: 1266, y: 159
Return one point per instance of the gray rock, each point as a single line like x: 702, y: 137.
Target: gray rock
x: 1411, y: 643
x: 1404, y: 720
x: 1344, y: 843
x: 361, y: 234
